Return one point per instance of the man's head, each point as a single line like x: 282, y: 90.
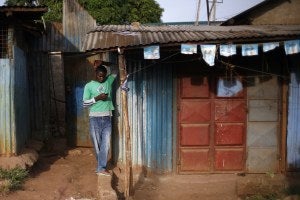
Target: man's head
x: 101, y: 72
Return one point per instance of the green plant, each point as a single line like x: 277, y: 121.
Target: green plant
x: 12, y: 179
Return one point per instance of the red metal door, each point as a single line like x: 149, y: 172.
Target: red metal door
x: 211, y: 129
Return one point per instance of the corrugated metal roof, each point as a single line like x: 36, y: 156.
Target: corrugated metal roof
x: 109, y: 37
x: 23, y: 12
x: 21, y: 7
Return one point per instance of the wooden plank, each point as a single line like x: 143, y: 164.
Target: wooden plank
x: 128, y: 160
x: 284, y: 126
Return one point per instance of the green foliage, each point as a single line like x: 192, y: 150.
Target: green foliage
x: 55, y: 10
x: 143, y: 11
x: 12, y: 179
x: 105, y: 11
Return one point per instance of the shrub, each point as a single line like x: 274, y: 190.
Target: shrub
x: 12, y: 179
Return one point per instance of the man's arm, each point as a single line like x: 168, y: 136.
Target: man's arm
x: 90, y: 102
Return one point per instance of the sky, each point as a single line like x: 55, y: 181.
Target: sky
x: 186, y: 10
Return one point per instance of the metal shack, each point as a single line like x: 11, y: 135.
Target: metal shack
x: 17, y: 25
x: 181, y: 118
x: 275, y: 12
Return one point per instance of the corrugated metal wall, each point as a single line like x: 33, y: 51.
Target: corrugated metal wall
x: 151, y: 113
x: 77, y: 74
x: 39, y: 90
x: 39, y: 78
x: 293, y: 136
x: 77, y: 22
x: 51, y: 41
x: 21, y: 111
x: 7, y: 131
x: 14, y: 103
x: 263, y: 125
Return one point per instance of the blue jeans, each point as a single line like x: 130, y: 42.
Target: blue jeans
x: 100, y: 131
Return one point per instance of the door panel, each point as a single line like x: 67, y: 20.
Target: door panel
x: 229, y: 134
x: 194, y: 134
x: 195, y: 160
x: 195, y: 111
x: 193, y: 87
x: 211, y: 129
x: 229, y: 159
x: 230, y: 110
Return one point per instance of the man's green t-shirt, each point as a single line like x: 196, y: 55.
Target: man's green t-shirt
x: 94, y: 88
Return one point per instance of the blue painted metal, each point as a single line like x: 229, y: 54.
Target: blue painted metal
x: 150, y: 113
x: 7, y: 132
x: 14, y: 104
x: 77, y: 120
x: 293, y: 136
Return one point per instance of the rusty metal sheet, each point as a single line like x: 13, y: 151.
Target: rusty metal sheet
x: 194, y: 160
x: 230, y: 110
x: 207, y: 122
x: 107, y: 37
x: 229, y: 159
x: 229, y: 133
x: 194, y: 87
x: 193, y: 111
x: 194, y: 134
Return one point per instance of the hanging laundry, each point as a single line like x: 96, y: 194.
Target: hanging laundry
x: 208, y: 53
x: 249, y: 49
x: 188, y: 48
x: 270, y: 46
x: 227, y: 50
x: 151, y: 52
x: 292, y: 46
x: 229, y: 88
x: 124, y: 86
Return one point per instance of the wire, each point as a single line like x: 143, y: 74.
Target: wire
x: 153, y: 64
x: 249, y: 69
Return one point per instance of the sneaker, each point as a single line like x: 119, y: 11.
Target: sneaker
x: 103, y: 173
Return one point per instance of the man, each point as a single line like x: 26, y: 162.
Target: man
x: 97, y: 96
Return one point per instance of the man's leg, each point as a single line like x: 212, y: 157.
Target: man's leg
x: 95, y: 128
x: 105, y: 142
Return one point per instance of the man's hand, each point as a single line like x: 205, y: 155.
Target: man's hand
x: 101, y: 96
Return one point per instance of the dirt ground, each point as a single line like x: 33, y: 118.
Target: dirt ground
x: 69, y: 174
x: 60, y: 174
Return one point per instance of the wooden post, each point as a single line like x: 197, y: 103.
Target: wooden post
x: 128, y: 161
x: 284, y: 126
